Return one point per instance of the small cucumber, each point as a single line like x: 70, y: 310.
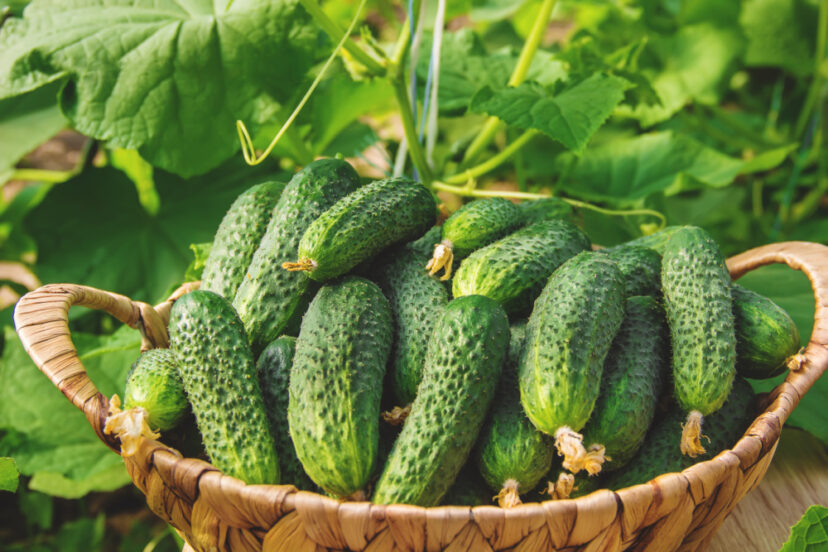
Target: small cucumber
x: 238, y: 237
x: 765, y: 335
x: 462, y: 366
x: 547, y: 208
x: 513, y: 270
x: 512, y: 455
x: 641, y: 268
x: 696, y: 286
x: 568, y: 337
x: 268, y: 295
x: 417, y: 301
x: 153, y: 384
x: 216, y: 366
x: 336, y: 384
x: 634, y: 375
x: 424, y: 245
x: 362, y: 224
x: 273, y: 367
x: 660, y: 452
x: 472, y: 226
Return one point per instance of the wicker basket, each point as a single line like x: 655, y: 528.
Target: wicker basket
x: 677, y: 511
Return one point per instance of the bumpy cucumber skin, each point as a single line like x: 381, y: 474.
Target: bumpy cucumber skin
x: 479, y: 223
x: 268, y: 295
x: 220, y: 379
x: 417, y: 300
x: 568, y: 337
x: 509, y: 446
x: 696, y: 286
x: 462, y: 368
x: 656, y: 241
x: 153, y: 383
x: 274, y: 366
x: 336, y: 384
x: 537, y: 210
x: 365, y: 222
x: 641, y: 268
x: 660, y: 452
x: 765, y: 335
x: 513, y: 270
x: 238, y: 237
x: 634, y: 374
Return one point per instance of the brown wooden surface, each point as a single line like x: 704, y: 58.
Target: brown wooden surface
x: 796, y: 479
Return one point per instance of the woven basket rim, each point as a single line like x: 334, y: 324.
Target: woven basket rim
x: 40, y: 319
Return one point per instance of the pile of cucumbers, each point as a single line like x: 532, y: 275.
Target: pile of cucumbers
x: 342, y: 343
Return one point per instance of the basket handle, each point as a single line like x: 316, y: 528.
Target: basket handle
x: 41, y: 318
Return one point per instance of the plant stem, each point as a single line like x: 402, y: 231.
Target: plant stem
x: 467, y: 191
x: 492, y: 124
x: 417, y: 154
x: 335, y: 33
x: 816, y: 84
x: 493, y: 162
x: 42, y: 175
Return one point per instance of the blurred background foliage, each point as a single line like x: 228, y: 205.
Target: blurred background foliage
x: 718, y: 120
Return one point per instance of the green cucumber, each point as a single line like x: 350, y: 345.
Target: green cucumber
x: 660, y: 452
x: 268, y: 295
x: 153, y: 384
x: 696, y: 287
x: 273, y: 367
x: 512, y: 455
x: 547, y: 208
x: 336, y: 384
x: 513, y: 270
x: 641, y: 268
x: 216, y: 366
x: 362, y: 224
x: 765, y: 335
x: 472, y: 226
x: 417, y: 300
x: 634, y: 375
x: 462, y: 366
x: 568, y: 337
x: 424, y: 245
x: 238, y: 237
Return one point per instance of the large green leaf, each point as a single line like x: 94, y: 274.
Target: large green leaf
x: 92, y: 230
x: 780, y: 33
x: 810, y: 534
x: 694, y: 64
x: 628, y: 170
x: 169, y: 79
x: 26, y: 122
x: 46, y: 435
x: 570, y: 117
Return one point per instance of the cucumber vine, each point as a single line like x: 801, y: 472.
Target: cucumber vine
x: 376, y: 64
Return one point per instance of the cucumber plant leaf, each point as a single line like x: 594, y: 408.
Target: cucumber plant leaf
x: 45, y: 433
x: 170, y: 82
x: 810, y: 533
x: 133, y: 253
x: 780, y: 34
x: 8, y: 475
x: 571, y: 117
x: 26, y: 122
